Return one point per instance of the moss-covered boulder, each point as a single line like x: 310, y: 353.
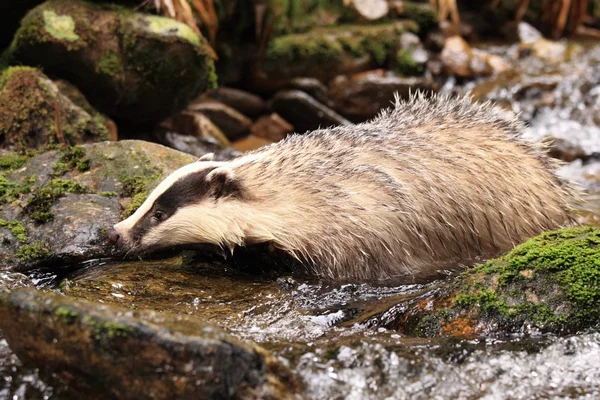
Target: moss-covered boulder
x: 129, y: 65
x: 343, y: 49
x: 34, y: 113
x: 550, y: 283
x: 55, y: 206
x: 133, y: 356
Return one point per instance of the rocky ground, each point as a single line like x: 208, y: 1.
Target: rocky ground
x: 99, y: 101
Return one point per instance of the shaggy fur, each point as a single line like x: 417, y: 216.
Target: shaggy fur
x: 431, y: 184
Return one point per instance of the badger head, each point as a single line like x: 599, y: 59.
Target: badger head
x: 187, y: 207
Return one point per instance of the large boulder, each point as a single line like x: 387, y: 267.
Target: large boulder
x: 57, y: 205
x: 34, y: 112
x: 134, y: 66
x: 146, y: 355
x: 324, y: 53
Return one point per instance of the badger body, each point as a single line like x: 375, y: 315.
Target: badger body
x: 430, y: 184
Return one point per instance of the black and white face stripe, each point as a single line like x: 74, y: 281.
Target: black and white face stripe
x: 192, y: 188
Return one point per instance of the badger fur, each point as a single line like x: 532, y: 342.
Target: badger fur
x: 431, y: 184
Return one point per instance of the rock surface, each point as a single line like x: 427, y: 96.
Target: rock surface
x: 271, y: 127
x: 34, y: 112
x: 138, y: 355
x: 58, y: 204
x: 231, y: 122
x: 246, y: 103
x: 138, y: 67
x: 550, y: 283
x: 304, y: 112
x: 363, y: 98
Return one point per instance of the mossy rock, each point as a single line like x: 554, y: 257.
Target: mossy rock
x: 550, y: 283
x: 56, y: 205
x: 35, y: 113
x: 133, y: 66
x: 343, y: 49
x: 131, y: 356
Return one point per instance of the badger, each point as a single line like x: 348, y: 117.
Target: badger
x: 432, y: 184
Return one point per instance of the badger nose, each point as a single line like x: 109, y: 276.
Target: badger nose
x: 114, y: 237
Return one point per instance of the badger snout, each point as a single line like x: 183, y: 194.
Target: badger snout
x: 114, y: 237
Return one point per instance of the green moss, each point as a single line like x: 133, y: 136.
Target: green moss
x: 422, y: 13
x: 109, y: 64
x: 10, y: 72
x: 327, y: 45
x: 562, y: 264
x: 108, y: 194
x: 16, y: 228
x: 404, y: 64
x: 62, y: 27
x: 110, y: 329
x: 12, y: 161
x: 137, y: 187
x: 38, y: 207
x: 168, y: 26
x: 72, y: 158
x: 32, y: 251
x: 66, y: 315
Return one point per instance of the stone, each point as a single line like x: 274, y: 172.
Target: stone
x: 146, y: 354
x: 232, y: 123
x: 313, y: 87
x: 137, y: 67
x: 324, y: 53
x: 411, y: 57
x: 304, y: 112
x: 363, y: 98
x: 550, y: 283
x: 196, y: 124
x: 34, y: 112
x: 56, y: 206
x: 196, y: 146
x: 368, y: 10
x: 250, y: 142
x: 271, y: 127
x: 246, y: 103
x: 460, y: 60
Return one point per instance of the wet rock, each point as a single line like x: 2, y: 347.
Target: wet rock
x: 132, y: 356
x: 196, y: 124
x: 343, y: 49
x: 565, y: 150
x: 550, y: 283
x: 35, y: 113
x: 232, y: 123
x: 56, y: 205
x: 533, y: 43
x: 304, y: 112
x: 13, y: 280
x: 313, y: 87
x: 460, y: 60
x: 197, y: 146
x: 246, y: 103
x: 271, y: 127
x: 138, y: 67
x: 363, y: 98
x: 411, y: 57
x: 368, y: 10
x: 250, y: 142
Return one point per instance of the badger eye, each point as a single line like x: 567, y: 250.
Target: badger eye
x: 159, y: 216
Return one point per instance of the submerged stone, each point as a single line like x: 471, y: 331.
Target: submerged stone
x: 138, y: 67
x: 551, y: 283
x: 145, y: 354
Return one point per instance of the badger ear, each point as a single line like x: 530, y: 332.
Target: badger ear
x: 206, y: 157
x: 223, y: 183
